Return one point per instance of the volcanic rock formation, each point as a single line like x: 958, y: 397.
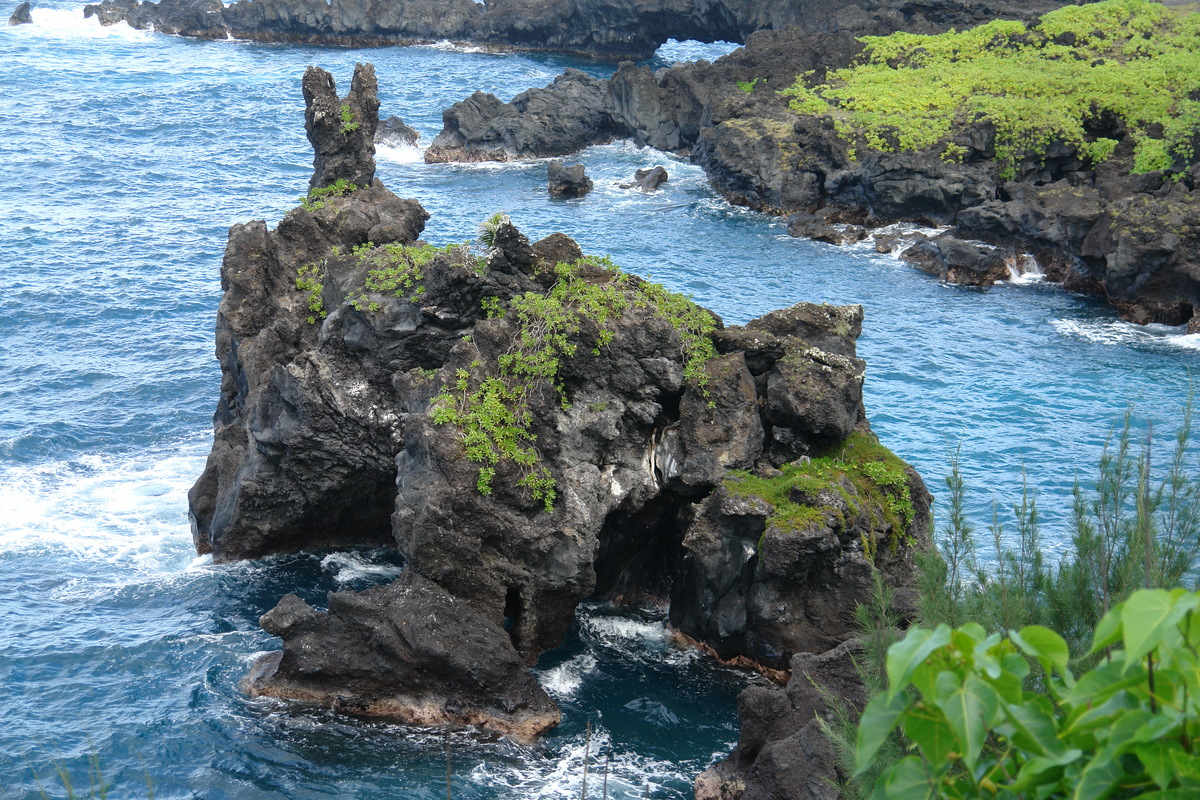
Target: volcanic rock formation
x: 530, y: 428
x: 603, y: 28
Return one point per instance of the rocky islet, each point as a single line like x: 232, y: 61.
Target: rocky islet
x: 726, y: 471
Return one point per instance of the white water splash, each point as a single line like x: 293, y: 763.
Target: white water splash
x: 1121, y: 333
x: 563, y: 681
x: 348, y: 566
x: 1024, y: 269
x: 115, y: 509
x: 401, y: 154
x: 69, y: 23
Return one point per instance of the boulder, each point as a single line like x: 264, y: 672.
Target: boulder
x: 567, y: 181
x: 21, y: 15
x: 647, y: 179
x: 394, y: 133
x: 956, y: 261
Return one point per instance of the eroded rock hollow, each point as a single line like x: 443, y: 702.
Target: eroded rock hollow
x: 530, y: 427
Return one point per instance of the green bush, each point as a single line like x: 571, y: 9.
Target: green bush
x: 1129, y: 727
x: 1135, y: 59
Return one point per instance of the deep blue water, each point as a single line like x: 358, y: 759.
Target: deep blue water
x: 126, y: 156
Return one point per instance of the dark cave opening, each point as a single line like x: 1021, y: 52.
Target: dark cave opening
x: 640, y: 552
x: 514, y: 608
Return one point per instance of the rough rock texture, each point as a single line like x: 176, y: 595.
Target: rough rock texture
x: 350, y: 411
x: 567, y: 181
x: 394, y: 132
x: 605, y: 28
x: 342, y: 131
x: 956, y: 261
x: 648, y: 179
x: 781, y: 750
x: 21, y: 15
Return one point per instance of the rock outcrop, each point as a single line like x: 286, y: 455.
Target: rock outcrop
x: 604, y: 28
x: 648, y: 179
x: 567, y: 181
x: 21, y: 15
x: 530, y: 428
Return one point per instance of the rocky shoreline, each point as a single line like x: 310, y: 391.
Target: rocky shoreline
x: 1133, y: 240
x: 531, y: 428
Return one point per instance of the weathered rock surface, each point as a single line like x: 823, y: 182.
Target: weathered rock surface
x: 647, y: 180
x: 21, y: 15
x: 781, y: 750
x: 567, y: 181
x: 354, y: 409
x: 1131, y: 239
x: 393, y: 132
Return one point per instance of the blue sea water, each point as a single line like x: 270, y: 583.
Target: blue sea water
x: 124, y: 158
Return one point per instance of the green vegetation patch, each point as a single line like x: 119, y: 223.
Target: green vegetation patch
x: 397, y: 270
x: 317, y: 198
x: 877, y: 477
x: 491, y: 406
x: 309, y: 280
x: 349, y: 124
x: 1136, y: 59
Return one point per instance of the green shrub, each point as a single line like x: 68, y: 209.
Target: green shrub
x: 316, y: 198
x: 309, y: 279
x: 1137, y: 59
x: 1129, y: 727
x: 490, y: 406
x: 347, y: 116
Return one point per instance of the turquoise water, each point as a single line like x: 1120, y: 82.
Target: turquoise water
x: 127, y: 156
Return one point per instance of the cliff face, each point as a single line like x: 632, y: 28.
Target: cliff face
x: 603, y: 28
x: 530, y: 427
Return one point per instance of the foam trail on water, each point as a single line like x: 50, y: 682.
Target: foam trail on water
x: 401, y: 154
x: 70, y: 23
x: 1120, y: 333
x: 348, y: 567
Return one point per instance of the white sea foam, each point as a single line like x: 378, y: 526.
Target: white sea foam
x: 69, y: 23
x: 1118, y: 332
x: 564, y: 680
x: 348, y: 567
x: 560, y: 773
x: 1024, y: 269
x: 401, y: 154
x: 128, y: 508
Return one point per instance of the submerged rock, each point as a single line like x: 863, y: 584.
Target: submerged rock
x: 647, y: 179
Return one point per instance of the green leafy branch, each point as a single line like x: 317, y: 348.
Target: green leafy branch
x: 349, y: 125
x: 317, y: 197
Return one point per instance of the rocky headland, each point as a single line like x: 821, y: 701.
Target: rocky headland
x: 631, y: 29
x: 1092, y: 224
x: 531, y: 427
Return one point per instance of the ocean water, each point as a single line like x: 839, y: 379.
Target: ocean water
x: 127, y: 155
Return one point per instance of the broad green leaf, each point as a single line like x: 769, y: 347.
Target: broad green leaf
x: 905, y: 656
x: 907, y: 780
x: 1109, y: 630
x: 1187, y: 768
x: 975, y: 631
x: 1170, y: 794
x: 1129, y: 729
x: 1037, y: 772
x: 1034, y: 727
x: 876, y: 724
x: 1087, y: 719
x: 1098, y: 779
x: 970, y: 708
x: 1099, y: 684
x: 1156, y: 758
x: 1045, y: 645
x: 1148, y: 615
x: 929, y: 729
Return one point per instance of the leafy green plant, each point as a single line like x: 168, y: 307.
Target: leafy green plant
x: 748, y: 86
x: 1128, y: 727
x: 1135, y: 59
x: 309, y: 279
x: 491, y: 406
x: 487, y: 228
x: 349, y: 125
x: 317, y: 197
